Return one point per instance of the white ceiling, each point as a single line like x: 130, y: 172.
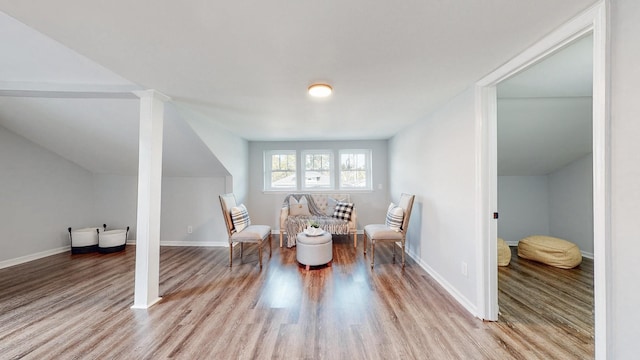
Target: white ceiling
x: 545, y: 113
x: 246, y: 64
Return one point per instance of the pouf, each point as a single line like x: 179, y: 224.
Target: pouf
x: 550, y: 250
x: 84, y: 240
x: 314, y: 250
x: 112, y: 240
x: 504, y: 253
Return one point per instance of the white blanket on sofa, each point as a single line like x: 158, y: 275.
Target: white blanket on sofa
x: 297, y: 224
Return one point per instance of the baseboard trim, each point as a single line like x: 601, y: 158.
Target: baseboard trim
x: 31, y: 257
x: 188, y: 243
x: 461, y: 299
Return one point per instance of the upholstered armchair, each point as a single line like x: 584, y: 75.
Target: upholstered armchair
x: 393, y: 230
x: 240, y: 229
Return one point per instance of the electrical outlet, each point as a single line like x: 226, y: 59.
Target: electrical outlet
x: 189, y: 229
x: 463, y: 269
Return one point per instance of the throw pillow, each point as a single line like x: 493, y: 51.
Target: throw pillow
x: 395, y: 215
x: 298, y: 207
x: 240, y: 217
x: 343, y: 211
x: 331, y: 206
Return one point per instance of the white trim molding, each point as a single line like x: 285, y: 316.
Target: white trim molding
x: 592, y: 20
x: 32, y: 257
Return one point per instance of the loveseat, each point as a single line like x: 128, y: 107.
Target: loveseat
x: 327, y: 210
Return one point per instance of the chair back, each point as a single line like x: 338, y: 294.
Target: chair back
x: 227, y: 201
x: 406, y: 203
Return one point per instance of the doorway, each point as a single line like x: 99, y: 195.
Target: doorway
x: 545, y: 187
x: 592, y: 21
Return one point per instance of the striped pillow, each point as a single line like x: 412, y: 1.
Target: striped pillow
x: 395, y: 215
x: 240, y: 217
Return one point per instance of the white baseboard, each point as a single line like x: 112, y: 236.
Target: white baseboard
x: 31, y: 257
x: 195, y: 243
x: 188, y: 243
x: 471, y: 308
x: 588, y: 255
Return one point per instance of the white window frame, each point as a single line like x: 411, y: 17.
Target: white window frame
x: 303, y: 170
x: 268, y: 155
x: 368, y: 168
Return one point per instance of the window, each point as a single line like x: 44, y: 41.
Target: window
x: 355, y: 169
x: 318, y: 169
x: 280, y: 170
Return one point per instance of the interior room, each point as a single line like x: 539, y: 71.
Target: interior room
x: 545, y: 176
x: 545, y: 181
x: 140, y: 115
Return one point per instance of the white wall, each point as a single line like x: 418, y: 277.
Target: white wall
x: 116, y: 199
x: 371, y: 205
x: 571, y: 203
x: 523, y: 205
x: 192, y: 202
x: 625, y: 179
x: 186, y: 201
x: 435, y: 160
x: 230, y: 149
x: 559, y: 204
x: 41, y: 195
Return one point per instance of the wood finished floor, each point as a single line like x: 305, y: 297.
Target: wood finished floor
x: 78, y: 307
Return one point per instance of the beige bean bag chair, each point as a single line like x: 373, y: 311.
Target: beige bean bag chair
x: 550, y: 250
x: 504, y: 253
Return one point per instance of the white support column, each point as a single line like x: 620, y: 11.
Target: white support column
x: 147, y: 276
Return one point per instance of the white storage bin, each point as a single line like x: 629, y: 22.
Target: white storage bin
x: 84, y: 240
x: 112, y: 240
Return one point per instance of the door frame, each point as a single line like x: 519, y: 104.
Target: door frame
x: 592, y: 20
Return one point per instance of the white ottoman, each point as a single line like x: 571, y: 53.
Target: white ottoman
x: 84, y: 240
x: 314, y: 250
x: 112, y: 240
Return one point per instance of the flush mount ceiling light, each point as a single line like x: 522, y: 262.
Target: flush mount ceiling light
x: 320, y: 90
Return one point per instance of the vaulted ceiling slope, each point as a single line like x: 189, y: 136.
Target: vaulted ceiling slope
x: 246, y: 64
x: 545, y: 114
x: 82, y: 111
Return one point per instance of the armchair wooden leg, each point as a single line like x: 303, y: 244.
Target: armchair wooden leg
x: 364, y: 242
x: 355, y: 239
x: 403, y: 254
x: 280, y: 238
x: 241, y: 250
x: 393, y: 251
x: 373, y: 252
x: 230, y: 254
x: 270, y: 245
x: 260, y: 253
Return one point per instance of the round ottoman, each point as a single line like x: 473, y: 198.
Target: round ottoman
x: 314, y: 250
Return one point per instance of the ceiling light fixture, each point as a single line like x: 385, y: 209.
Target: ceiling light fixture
x: 320, y: 90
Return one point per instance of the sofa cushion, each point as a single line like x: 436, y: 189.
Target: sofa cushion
x: 298, y: 207
x: 331, y: 206
x: 343, y: 211
x: 240, y: 217
x: 395, y: 215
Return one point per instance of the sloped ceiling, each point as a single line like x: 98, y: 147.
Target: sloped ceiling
x: 58, y: 108
x: 545, y: 113
x: 246, y: 66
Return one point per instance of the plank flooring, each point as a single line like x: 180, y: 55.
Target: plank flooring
x: 78, y: 307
